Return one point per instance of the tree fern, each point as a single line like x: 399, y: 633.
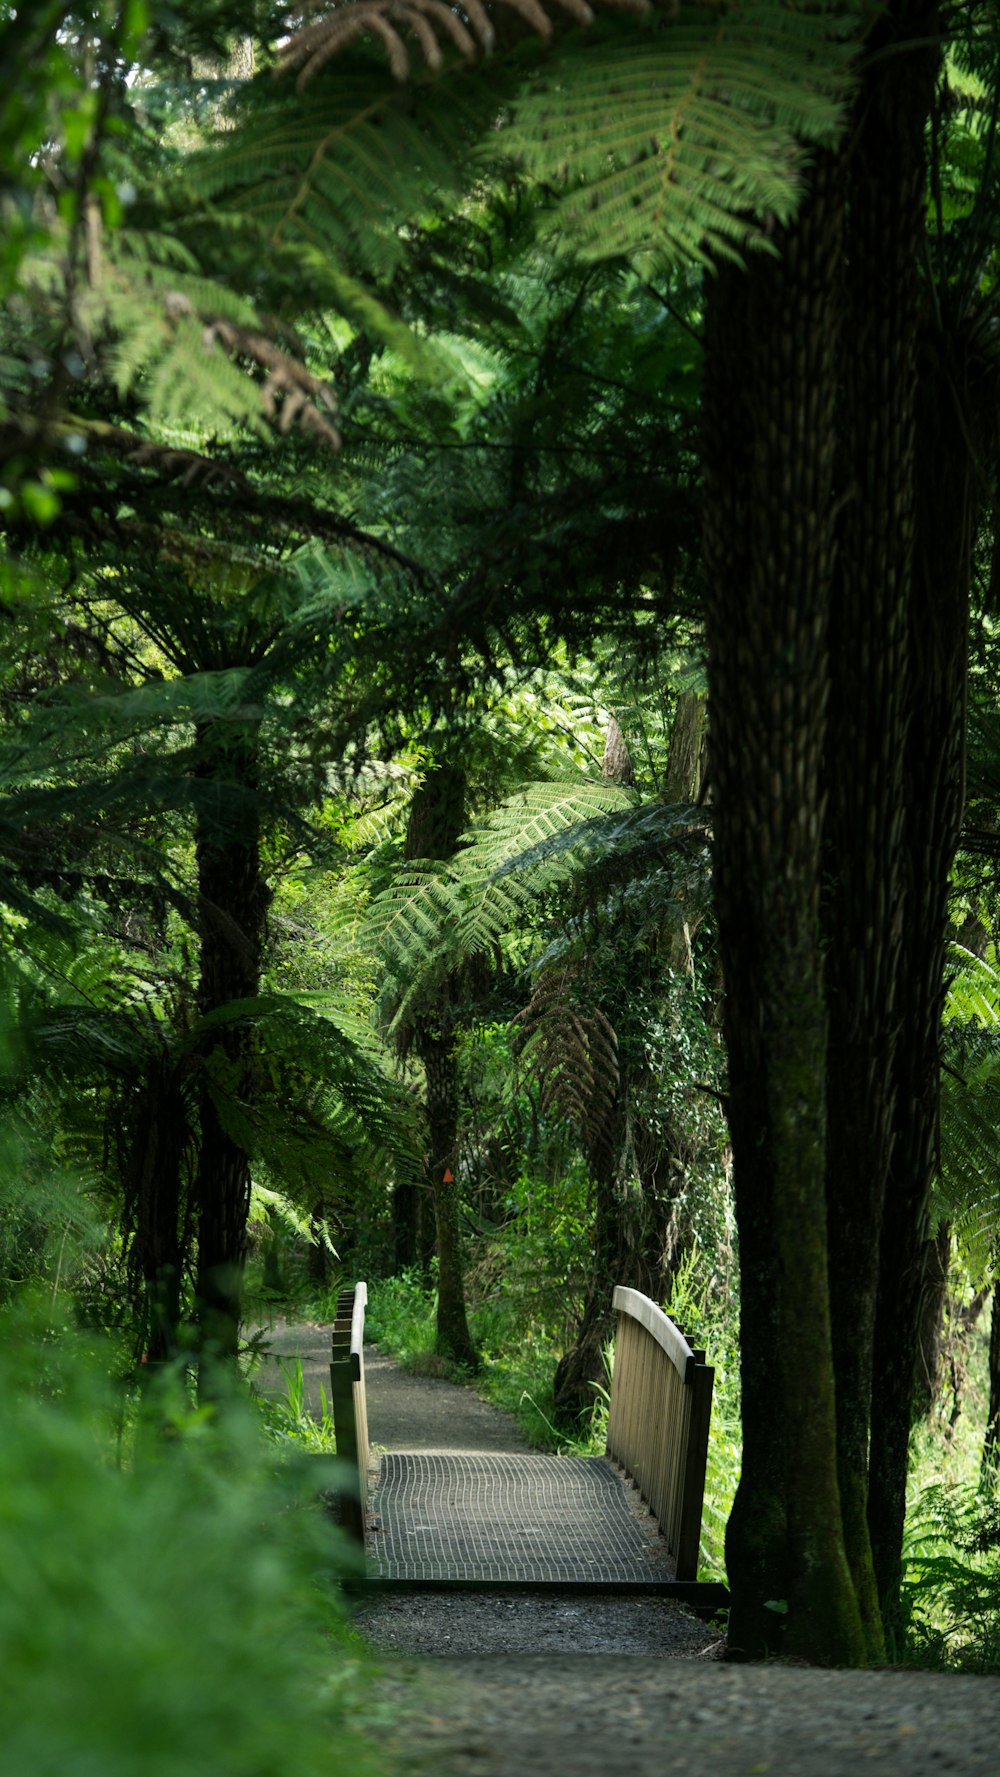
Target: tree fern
x: 668, y: 141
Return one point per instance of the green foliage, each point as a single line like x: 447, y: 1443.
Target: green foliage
x: 288, y: 1421
x: 968, y: 1194
x: 177, y: 1614
x: 400, y: 1316
x: 951, y: 1583
x: 668, y: 144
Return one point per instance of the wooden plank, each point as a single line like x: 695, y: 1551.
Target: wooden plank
x: 656, y: 1323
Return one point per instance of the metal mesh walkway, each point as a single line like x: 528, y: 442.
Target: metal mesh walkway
x: 527, y: 1519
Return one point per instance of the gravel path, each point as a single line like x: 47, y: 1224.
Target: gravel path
x: 497, y: 1685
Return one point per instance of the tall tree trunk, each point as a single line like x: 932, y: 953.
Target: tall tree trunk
x: 991, y: 1442
x: 437, y: 817
x: 947, y: 503
x: 436, y: 1048
x: 232, y: 907
x: 867, y: 733
x: 768, y: 460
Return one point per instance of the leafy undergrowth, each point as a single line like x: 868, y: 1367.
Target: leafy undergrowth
x: 951, y: 1589
x: 170, y: 1596
x: 951, y: 1548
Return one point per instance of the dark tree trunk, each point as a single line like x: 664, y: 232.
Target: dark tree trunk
x: 771, y: 357
x: 436, y: 1049
x: 612, y: 1262
x: 404, y: 1226
x: 437, y: 817
x: 927, y: 1384
x: 991, y: 1442
x: 232, y: 909
x: 947, y: 502
x: 158, y: 1138
x: 863, y: 915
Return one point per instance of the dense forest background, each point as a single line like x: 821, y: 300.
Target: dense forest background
x: 500, y: 755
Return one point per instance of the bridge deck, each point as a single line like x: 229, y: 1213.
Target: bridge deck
x: 471, y: 1517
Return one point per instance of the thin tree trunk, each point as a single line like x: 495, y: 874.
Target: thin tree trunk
x: 436, y: 1049
x: 927, y: 1382
x: 611, y: 1263
x: 437, y: 817
x: 232, y: 907
x: 404, y: 1226
x: 158, y: 1137
x: 991, y: 1442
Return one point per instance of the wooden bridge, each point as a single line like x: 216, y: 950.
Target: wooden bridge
x: 625, y: 1522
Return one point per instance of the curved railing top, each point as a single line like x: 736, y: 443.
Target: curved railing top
x: 658, y: 1325
x: 358, y: 1320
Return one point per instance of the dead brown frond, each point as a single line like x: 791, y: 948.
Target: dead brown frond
x: 290, y: 394
x: 573, y: 1054
x: 428, y: 23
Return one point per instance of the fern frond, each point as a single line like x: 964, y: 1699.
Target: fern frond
x: 969, y: 1190
x: 673, y: 145
x: 436, y: 915
x: 625, y: 833
x: 193, y: 351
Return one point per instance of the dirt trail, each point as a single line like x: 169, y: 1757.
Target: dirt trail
x: 497, y: 1685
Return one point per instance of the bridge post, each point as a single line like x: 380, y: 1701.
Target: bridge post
x: 350, y: 1413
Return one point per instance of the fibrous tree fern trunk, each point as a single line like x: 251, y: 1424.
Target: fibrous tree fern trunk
x: 869, y: 712
x: 769, y: 537
x: 437, y: 818
x: 954, y: 425
x: 232, y: 902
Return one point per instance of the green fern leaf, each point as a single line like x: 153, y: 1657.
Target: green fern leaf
x: 673, y: 145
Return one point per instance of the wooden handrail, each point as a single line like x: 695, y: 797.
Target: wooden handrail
x: 658, y: 1422
x: 347, y: 1393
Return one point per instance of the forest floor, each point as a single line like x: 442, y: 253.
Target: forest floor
x: 497, y: 1684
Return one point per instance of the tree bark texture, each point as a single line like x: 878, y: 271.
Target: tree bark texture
x: 956, y: 433
x: 233, y: 901
x: 769, y: 461
x: 869, y: 711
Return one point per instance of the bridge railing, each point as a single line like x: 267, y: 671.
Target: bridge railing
x: 350, y: 1413
x: 658, y: 1422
